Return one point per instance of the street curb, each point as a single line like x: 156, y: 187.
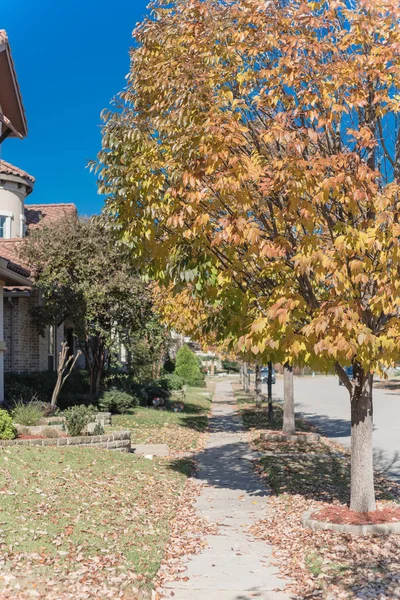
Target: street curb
x: 377, y: 529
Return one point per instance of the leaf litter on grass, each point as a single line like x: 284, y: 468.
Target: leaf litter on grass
x: 79, y: 523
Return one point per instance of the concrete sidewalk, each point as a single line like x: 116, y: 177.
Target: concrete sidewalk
x: 234, y: 566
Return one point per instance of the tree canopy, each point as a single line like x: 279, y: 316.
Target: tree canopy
x: 256, y: 155
x: 86, y: 277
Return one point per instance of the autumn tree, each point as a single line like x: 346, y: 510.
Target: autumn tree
x: 256, y: 153
x: 86, y: 277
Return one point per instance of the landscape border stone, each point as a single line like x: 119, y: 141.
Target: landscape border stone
x: 117, y: 440
x: 372, y: 529
x: 307, y: 438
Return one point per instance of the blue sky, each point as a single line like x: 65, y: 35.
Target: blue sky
x: 71, y: 59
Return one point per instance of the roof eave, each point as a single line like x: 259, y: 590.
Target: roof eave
x: 23, y: 129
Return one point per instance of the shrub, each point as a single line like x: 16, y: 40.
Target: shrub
x: 7, y: 429
x: 188, y: 367
x: 117, y: 402
x: 25, y: 385
x: 171, y: 382
x: 151, y: 391
x: 118, y: 381
x: 76, y: 399
x: 231, y: 366
x: 28, y: 413
x: 50, y: 432
x: 98, y: 429
x: 14, y: 389
x: 77, y: 418
x: 169, y: 365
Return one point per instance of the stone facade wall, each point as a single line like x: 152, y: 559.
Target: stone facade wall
x: 118, y: 440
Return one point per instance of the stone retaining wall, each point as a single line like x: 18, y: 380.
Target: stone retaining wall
x: 118, y: 440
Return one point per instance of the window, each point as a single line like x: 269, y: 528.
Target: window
x: 3, y: 221
x: 5, y: 224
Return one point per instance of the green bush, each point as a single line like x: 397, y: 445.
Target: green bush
x: 171, y: 382
x: 118, y: 381
x: 98, y: 429
x: 117, y: 402
x: 75, y: 399
x: 7, y: 429
x: 230, y: 366
x: 77, y: 418
x: 28, y: 413
x: 50, y: 432
x: 151, y: 391
x: 41, y: 384
x: 188, y: 367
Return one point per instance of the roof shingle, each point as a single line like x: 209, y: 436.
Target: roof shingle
x: 9, y: 169
x: 36, y: 214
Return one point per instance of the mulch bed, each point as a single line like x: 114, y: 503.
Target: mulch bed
x: 342, y: 515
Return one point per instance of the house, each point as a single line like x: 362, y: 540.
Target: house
x: 26, y: 350
x: 22, y: 349
x: 12, y: 123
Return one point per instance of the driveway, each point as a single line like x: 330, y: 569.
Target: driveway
x: 324, y: 403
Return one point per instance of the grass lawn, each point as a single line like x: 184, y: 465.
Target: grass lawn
x: 182, y: 432
x: 79, y: 523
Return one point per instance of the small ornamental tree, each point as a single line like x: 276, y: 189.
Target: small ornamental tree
x: 85, y: 276
x: 256, y: 154
x: 188, y: 367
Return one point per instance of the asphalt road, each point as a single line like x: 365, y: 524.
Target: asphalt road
x: 324, y: 403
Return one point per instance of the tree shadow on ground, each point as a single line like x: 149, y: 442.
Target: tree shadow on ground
x: 333, y: 428
x: 376, y: 578
x: 388, y: 386
x: 227, y: 466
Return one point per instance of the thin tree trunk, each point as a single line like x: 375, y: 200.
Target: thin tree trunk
x: 245, y: 377
x: 257, y: 385
x: 288, y: 400
x: 362, y: 492
x: 269, y: 387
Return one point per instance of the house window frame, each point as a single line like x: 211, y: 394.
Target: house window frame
x: 8, y: 216
x: 22, y: 225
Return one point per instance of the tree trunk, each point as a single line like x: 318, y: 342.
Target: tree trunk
x: 288, y: 400
x: 269, y: 384
x: 257, y: 385
x: 245, y: 377
x: 362, y: 492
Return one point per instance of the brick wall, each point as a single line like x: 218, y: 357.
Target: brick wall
x: 26, y: 350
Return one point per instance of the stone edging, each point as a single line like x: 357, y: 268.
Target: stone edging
x: 118, y: 440
x: 375, y: 529
x: 307, y: 438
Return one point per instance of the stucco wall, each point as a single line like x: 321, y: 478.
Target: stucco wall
x: 12, y: 196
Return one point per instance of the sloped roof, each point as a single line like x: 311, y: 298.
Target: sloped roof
x: 10, y: 95
x: 9, y: 169
x: 36, y: 214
